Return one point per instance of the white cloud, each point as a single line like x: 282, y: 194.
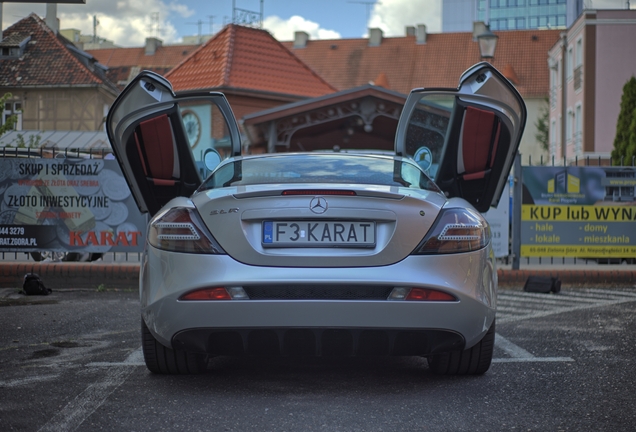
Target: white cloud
x: 283, y: 30
x: 125, y: 22
x: 392, y: 16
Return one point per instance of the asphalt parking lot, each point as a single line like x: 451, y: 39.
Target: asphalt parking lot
x: 72, y: 361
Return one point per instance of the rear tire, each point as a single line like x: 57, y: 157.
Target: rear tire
x: 473, y: 361
x: 167, y: 361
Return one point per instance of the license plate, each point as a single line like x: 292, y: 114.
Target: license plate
x: 318, y: 233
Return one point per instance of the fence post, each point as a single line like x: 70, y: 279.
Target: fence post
x: 517, y: 195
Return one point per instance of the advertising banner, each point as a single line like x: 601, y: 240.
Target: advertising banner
x: 499, y: 220
x: 67, y: 205
x: 584, y: 212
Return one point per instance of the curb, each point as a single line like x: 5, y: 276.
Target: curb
x: 71, y: 275
x: 57, y: 275
x: 570, y: 276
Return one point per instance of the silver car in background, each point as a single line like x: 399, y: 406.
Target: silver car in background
x: 318, y: 254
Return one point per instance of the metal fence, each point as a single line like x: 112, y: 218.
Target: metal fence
x: 11, y: 152
x: 514, y: 258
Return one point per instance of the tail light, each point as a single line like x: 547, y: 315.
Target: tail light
x: 420, y: 294
x: 181, y: 230
x: 456, y: 230
x: 216, y: 293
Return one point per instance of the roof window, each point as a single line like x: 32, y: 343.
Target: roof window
x: 13, y: 46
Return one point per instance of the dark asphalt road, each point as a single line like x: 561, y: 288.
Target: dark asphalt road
x: 72, y: 361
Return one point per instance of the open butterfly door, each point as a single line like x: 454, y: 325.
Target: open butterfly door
x: 163, y: 140
x: 466, y: 139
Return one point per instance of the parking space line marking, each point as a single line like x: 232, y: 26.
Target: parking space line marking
x: 136, y: 358
x: 533, y: 359
x: 26, y: 381
x: 511, y: 349
x: 85, y: 404
x: 519, y: 355
x: 516, y: 306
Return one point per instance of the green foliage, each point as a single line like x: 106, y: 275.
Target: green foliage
x: 625, y: 140
x: 542, y: 124
x: 33, y: 142
x: 101, y: 288
x: 10, y: 121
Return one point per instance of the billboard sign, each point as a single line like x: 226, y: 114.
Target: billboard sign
x: 585, y: 212
x: 67, y: 205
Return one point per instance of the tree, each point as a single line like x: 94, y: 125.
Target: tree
x: 624, y: 142
x: 9, y: 121
x: 542, y: 124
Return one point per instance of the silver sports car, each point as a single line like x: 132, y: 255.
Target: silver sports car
x: 321, y: 253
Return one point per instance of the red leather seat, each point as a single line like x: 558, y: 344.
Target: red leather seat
x: 479, y: 139
x: 155, y: 144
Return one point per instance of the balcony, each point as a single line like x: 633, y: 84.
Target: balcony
x: 578, y: 77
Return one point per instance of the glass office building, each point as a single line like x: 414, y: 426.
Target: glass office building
x: 523, y: 14
x: 458, y: 15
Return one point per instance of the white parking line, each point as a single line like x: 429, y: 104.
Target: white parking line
x: 136, y: 358
x: 517, y: 305
x: 85, y: 404
x: 28, y: 380
x: 519, y: 355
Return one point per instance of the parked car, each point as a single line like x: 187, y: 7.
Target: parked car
x: 318, y: 253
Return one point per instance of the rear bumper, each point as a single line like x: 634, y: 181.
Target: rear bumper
x: 318, y: 327
x: 318, y: 341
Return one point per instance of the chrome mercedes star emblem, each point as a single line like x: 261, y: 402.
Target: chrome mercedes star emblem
x: 318, y: 205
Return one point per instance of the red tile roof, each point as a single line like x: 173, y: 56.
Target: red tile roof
x: 347, y: 63
x: 48, y: 60
x: 247, y: 58
x: 164, y: 57
x: 122, y: 61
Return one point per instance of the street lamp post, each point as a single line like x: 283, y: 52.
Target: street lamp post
x: 487, y: 44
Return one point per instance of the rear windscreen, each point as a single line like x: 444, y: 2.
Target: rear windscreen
x: 331, y: 169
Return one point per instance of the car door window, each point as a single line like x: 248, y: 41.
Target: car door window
x: 427, y: 130
x: 207, y: 130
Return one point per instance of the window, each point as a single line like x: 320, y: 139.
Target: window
x: 13, y: 48
x: 578, y: 131
x: 569, y: 63
x: 319, y: 168
x: 13, y: 108
x: 579, y: 52
x: 553, y: 134
x: 521, y: 23
x: 553, y: 86
x: 568, y: 126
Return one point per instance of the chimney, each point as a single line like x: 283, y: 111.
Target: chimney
x: 420, y: 34
x: 410, y: 31
x: 300, y: 39
x: 151, y: 45
x: 479, y: 27
x: 51, y: 17
x: 375, y: 36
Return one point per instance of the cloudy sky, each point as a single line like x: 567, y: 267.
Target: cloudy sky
x: 129, y: 22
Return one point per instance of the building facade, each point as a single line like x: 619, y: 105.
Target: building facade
x: 459, y: 15
x: 589, y: 66
x: 53, y: 85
